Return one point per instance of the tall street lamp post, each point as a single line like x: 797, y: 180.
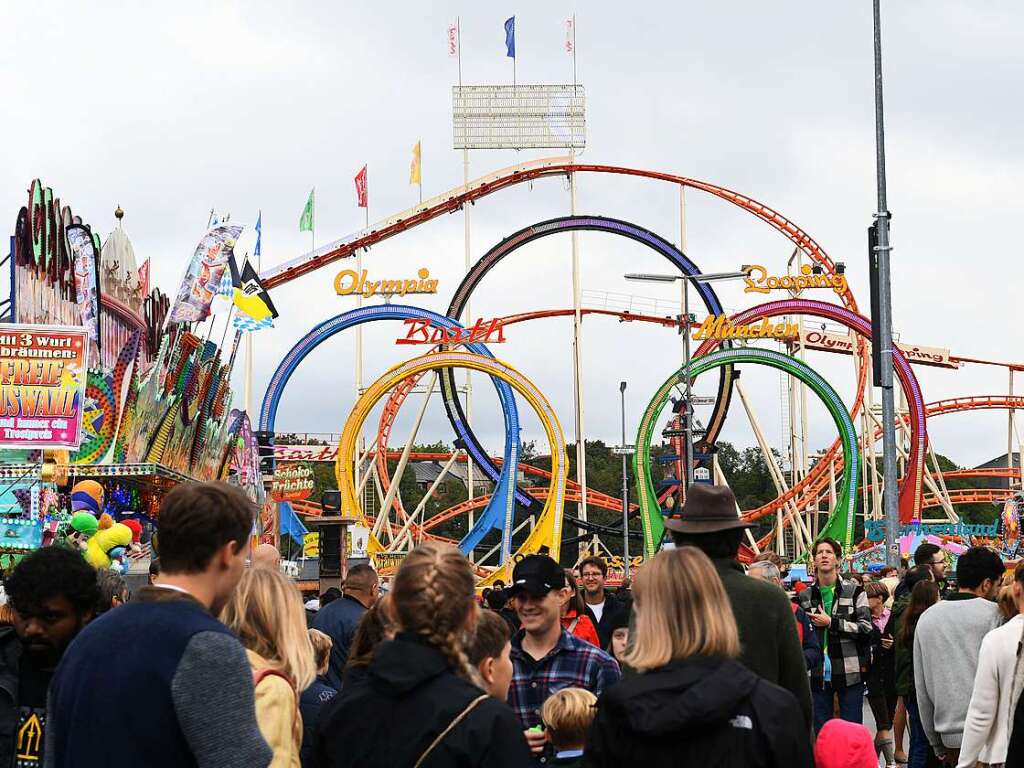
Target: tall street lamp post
x: 881, y: 319
x: 625, y: 483
x: 684, y: 324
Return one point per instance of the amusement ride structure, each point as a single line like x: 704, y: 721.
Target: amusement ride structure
x: 833, y: 487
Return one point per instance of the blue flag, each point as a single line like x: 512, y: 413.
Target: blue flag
x: 259, y: 234
x: 510, y: 36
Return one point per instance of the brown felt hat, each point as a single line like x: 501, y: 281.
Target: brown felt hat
x: 708, y: 509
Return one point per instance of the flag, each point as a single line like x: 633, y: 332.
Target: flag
x: 251, y: 297
x: 570, y: 34
x: 259, y: 236
x: 212, y: 257
x: 361, y: 188
x: 306, y: 220
x: 510, y: 37
x: 144, y: 278
x: 453, y: 40
x: 415, y: 176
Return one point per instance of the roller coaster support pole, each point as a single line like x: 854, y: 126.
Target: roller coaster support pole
x: 396, y: 477
x: 625, y: 485
x: 470, y: 491
x: 884, y: 319
x: 577, y: 363
x: 687, y: 478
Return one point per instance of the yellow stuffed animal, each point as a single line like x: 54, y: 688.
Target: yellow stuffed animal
x: 117, y: 535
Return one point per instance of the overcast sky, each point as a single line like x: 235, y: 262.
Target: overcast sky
x: 172, y: 111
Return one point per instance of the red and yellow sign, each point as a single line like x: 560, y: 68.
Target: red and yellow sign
x: 423, y: 331
x: 292, y: 482
x: 43, y: 372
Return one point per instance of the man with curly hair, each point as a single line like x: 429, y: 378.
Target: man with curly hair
x: 53, y: 594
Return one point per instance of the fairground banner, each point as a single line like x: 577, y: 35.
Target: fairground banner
x: 42, y: 386
x: 212, y: 257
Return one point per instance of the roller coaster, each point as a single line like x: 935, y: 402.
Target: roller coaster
x: 841, y: 479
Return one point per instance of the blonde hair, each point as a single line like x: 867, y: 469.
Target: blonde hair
x: 432, y: 597
x: 568, y: 714
x: 1007, y: 602
x: 322, y: 645
x: 681, y: 611
x: 267, y: 614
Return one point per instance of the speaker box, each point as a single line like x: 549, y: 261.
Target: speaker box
x: 330, y: 550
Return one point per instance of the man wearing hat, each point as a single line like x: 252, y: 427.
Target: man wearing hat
x: 545, y: 657
x: 769, y: 646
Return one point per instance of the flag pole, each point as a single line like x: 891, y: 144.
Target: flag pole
x: 574, y: 56
x: 312, y: 228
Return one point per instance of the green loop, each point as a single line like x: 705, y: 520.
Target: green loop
x: 840, y: 522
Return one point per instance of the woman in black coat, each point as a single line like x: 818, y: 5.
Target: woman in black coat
x: 692, y: 704
x: 419, y: 703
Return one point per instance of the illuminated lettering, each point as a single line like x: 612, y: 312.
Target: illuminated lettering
x: 720, y: 327
x: 348, y: 282
x: 759, y: 281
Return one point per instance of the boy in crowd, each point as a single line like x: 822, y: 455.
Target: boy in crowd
x: 567, y: 715
x: 841, y: 617
x: 545, y: 657
x: 180, y: 689
x: 53, y: 594
x: 490, y: 652
x: 947, y: 643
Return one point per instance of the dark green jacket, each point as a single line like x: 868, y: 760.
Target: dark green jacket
x: 904, y: 655
x: 769, y: 645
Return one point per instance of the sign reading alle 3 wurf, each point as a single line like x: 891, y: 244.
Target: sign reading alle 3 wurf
x: 43, y: 372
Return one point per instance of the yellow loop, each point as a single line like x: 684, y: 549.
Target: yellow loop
x: 548, y: 530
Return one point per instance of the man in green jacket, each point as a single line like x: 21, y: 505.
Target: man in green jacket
x: 770, y: 647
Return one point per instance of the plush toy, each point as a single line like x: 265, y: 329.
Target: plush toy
x: 83, y: 527
x: 97, y: 553
x: 87, y: 495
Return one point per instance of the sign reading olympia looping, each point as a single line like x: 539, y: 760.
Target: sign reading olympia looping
x: 43, y: 372
x: 759, y: 281
x: 349, y: 282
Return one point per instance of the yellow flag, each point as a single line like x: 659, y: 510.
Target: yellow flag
x: 414, y: 169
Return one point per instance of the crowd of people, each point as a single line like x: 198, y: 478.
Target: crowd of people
x: 701, y: 661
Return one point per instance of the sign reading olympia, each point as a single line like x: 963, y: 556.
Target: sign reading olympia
x: 352, y: 283
x: 43, y: 372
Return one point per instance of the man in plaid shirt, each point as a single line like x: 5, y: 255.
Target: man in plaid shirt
x: 842, y: 619
x: 545, y: 657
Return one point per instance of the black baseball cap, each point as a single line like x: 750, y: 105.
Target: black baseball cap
x: 536, y: 575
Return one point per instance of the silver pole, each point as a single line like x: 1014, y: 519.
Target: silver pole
x: 687, y: 478
x: 625, y: 484
x: 884, y: 318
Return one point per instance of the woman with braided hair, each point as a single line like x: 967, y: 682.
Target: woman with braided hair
x: 421, y: 705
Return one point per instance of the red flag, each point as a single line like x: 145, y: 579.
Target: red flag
x: 144, y: 278
x: 361, y: 188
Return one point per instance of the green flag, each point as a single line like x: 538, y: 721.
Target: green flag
x: 306, y: 221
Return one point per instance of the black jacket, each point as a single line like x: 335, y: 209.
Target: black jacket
x: 410, y: 696
x: 612, y: 610
x: 705, y: 712
x: 10, y: 661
